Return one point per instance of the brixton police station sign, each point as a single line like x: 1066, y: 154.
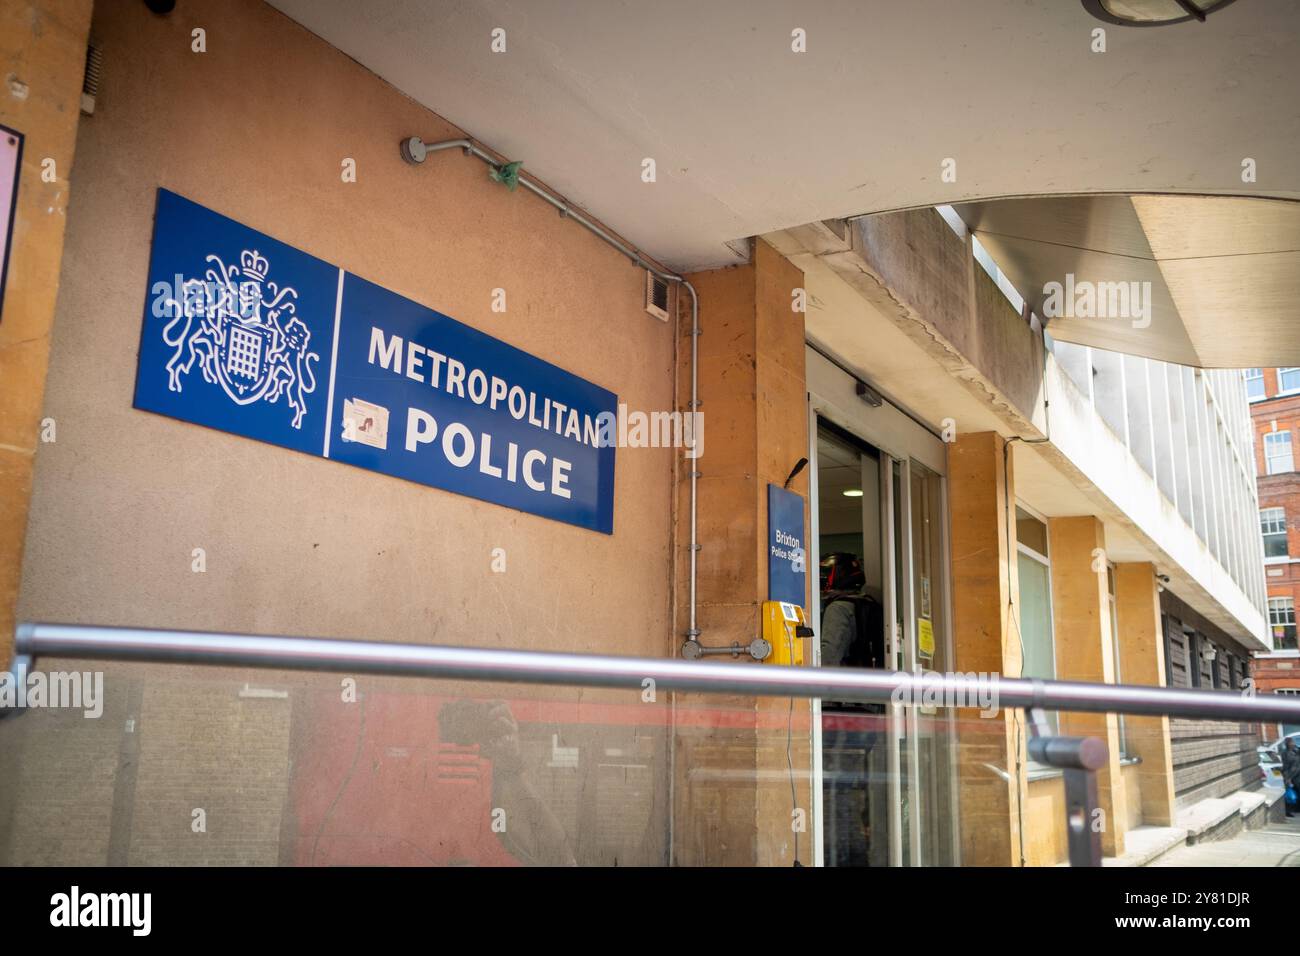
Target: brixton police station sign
x: 251, y: 336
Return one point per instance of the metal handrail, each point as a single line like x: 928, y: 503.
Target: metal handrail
x: 89, y: 642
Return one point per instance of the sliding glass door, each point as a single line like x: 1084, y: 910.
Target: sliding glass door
x: 888, y: 794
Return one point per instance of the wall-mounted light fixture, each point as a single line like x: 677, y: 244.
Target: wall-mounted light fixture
x: 1152, y: 13
x: 869, y: 395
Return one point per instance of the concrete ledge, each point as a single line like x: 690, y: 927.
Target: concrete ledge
x: 1217, y: 818
x: 1250, y: 800
x: 1144, y: 844
x: 1274, y: 804
x: 1254, y: 808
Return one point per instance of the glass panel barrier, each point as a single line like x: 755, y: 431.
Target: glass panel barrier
x: 179, y: 765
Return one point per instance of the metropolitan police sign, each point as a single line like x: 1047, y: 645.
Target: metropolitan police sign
x: 248, y: 335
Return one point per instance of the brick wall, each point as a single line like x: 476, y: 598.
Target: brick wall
x: 1280, y: 491
x: 1211, y: 758
x: 122, y: 789
x: 219, y: 749
x: 291, y: 773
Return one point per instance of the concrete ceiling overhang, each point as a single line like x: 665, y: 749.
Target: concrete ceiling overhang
x: 867, y: 334
x: 1211, y: 282
x: 749, y: 137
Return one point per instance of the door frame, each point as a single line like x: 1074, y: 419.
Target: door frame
x: 833, y: 396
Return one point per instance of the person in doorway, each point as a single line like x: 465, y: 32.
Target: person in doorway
x: 842, y: 580
x: 852, y: 635
x: 1290, y: 772
x: 852, y: 632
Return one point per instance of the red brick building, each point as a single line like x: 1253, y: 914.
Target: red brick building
x: 1275, y: 408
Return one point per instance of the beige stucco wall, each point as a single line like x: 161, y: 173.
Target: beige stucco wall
x: 256, y: 128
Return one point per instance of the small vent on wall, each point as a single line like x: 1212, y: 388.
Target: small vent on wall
x: 656, y: 296
x: 94, y: 74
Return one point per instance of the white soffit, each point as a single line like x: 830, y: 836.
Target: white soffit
x: 750, y: 137
x: 1219, y: 276
x: 1232, y: 267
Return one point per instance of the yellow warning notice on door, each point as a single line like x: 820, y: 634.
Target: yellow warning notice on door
x: 925, y: 637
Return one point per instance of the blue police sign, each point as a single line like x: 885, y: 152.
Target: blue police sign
x: 787, y: 561
x: 248, y: 335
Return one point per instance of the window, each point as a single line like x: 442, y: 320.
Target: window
x: 1277, y: 453
x: 1035, y: 617
x: 1254, y: 383
x: 1288, y: 380
x: 1202, y: 659
x: 1272, y: 524
x: 1281, y: 617
x: 1175, y: 646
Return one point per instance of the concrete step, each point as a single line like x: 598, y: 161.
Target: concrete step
x: 1220, y: 819
x: 1264, y: 840
x: 1216, y: 818
x: 1273, y: 845
x: 1213, y: 822
x: 1142, y: 845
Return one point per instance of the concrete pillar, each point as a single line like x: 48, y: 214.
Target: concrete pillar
x: 984, y: 582
x: 754, y: 402
x: 1081, y: 618
x: 1142, y: 661
x: 44, y: 52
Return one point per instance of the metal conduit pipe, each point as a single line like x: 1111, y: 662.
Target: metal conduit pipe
x: 415, y: 150
x: 34, y: 641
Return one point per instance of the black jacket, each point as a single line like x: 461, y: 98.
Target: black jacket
x: 1290, y: 765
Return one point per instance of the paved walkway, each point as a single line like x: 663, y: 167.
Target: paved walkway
x: 1277, y: 844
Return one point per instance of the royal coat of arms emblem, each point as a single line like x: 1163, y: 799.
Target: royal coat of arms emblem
x: 244, y: 331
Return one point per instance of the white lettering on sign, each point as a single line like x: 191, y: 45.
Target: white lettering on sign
x: 789, y: 540
x: 422, y: 364
x: 460, y: 446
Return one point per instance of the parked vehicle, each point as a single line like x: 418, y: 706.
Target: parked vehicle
x: 1270, y: 760
x: 1270, y: 773
x: 1274, y: 750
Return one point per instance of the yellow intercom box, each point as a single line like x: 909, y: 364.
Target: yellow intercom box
x: 785, y: 628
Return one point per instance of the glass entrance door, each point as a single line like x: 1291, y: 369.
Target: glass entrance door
x: 859, y: 796
x: 931, y: 759
x: 888, y: 793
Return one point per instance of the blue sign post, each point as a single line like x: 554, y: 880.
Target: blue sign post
x: 248, y: 335
x: 787, y: 558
